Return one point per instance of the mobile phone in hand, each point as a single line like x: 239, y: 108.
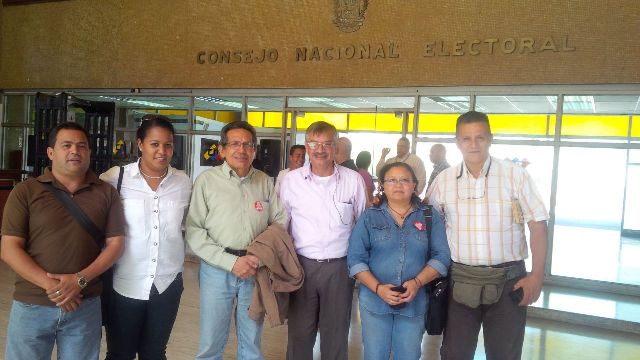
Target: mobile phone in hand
x: 517, y: 295
x: 401, y: 289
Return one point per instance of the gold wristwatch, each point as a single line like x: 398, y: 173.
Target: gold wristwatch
x: 82, y: 282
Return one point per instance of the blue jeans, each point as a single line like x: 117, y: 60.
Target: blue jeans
x: 382, y: 334
x: 33, y: 330
x: 218, y: 290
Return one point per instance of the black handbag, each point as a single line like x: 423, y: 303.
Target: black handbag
x: 437, y: 291
x: 97, y: 234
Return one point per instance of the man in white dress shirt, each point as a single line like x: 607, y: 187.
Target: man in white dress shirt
x: 323, y: 201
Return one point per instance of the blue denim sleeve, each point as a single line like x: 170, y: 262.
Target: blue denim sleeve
x: 359, y: 246
x: 440, y: 253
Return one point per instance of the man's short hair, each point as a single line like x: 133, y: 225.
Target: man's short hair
x: 322, y: 127
x: 347, y: 145
x: 53, y: 135
x: 296, y: 147
x: 404, y: 138
x: 472, y: 117
x: 237, y: 125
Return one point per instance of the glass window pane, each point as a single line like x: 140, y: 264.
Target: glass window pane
x: 265, y: 114
x: 444, y: 104
x: 601, y: 104
x: 131, y: 109
x: 212, y: 113
x: 587, y: 235
x: 13, y: 147
x: 514, y: 104
x: 352, y: 102
x: 15, y: 109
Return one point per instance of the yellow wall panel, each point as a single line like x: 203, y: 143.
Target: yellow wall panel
x: 437, y: 123
x: 228, y: 116
x: 518, y: 124
x: 255, y: 118
x: 635, y: 127
x: 173, y: 112
x: 337, y: 120
x: 366, y: 122
x: 595, y: 125
x: 205, y: 114
x: 273, y: 119
x: 388, y: 123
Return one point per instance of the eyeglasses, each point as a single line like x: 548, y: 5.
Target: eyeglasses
x: 236, y: 145
x: 401, y: 181
x: 313, y: 145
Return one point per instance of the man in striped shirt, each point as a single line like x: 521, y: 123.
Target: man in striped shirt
x: 486, y: 202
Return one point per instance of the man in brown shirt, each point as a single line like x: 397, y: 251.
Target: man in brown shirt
x: 58, y: 263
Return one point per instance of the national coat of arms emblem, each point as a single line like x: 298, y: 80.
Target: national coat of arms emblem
x: 349, y: 14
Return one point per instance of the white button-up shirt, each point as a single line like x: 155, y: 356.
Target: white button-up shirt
x: 154, y: 247
x: 483, y: 228
x: 322, y: 210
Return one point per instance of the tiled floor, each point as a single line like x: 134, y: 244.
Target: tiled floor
x: 544, y: 339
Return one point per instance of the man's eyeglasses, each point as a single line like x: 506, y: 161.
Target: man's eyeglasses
x: 313, y: 145
x: 401, y: 181
x: 236, y: 145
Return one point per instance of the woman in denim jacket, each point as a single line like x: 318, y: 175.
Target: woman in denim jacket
x: 390, y: 254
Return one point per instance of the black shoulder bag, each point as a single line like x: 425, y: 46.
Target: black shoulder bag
x: 436, y: 316
x: 94, y: 231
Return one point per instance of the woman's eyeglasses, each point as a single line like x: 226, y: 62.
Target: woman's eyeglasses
x: 401, y: 181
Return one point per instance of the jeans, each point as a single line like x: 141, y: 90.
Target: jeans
x: 386, y: 333
x: 218, y: 290
x: 33, y: 330
x: 142, y: 327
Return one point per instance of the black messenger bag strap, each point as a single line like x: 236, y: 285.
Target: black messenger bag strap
x: 428, y: 220
x: 77, y: 213
x: 120, y: 178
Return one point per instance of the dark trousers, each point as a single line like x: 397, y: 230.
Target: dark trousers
x: 503, y: 327
x: 322, y: 303
x: 142, y: 327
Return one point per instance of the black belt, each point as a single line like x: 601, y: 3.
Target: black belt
x: 235, y: 252
x: 325, y: 260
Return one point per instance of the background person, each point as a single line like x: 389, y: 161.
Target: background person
x: 296, y: 160
x: 343, y: 154
x: 389, y: 247
x: 363, y: 161
x: 403, y: 155
x: 438, y: 156
x: 147, y: 282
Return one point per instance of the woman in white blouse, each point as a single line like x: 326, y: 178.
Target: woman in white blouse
x: 147, y: 281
